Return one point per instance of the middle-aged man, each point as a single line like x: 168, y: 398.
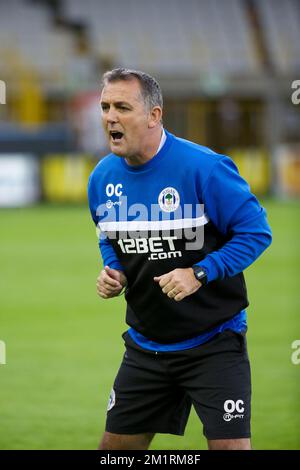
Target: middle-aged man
x: 178, y: 226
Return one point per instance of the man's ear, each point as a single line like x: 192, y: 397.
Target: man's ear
x: 155, y: 116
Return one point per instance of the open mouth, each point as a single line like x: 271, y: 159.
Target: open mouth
x: 116, y: 135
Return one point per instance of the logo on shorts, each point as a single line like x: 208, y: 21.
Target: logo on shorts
x: 112, y: 400
x: 230, y: 406
x: 169, y: 199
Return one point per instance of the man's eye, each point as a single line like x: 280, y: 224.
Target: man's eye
x: 104, y: 108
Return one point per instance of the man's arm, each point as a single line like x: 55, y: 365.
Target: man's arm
x: 237, y: 214
x: 111, y: 279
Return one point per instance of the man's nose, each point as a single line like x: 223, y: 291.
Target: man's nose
x: 112, y: 115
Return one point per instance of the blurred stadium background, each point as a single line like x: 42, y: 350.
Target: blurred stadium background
x: 226, y: 68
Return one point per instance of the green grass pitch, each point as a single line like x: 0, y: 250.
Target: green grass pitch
x: 64, y: 344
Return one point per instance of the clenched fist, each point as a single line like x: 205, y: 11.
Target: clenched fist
x: 110, y: 282
x: 179, y: 283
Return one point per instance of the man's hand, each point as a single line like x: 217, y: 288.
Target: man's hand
x: 110, y: 283
x: 179, y: 283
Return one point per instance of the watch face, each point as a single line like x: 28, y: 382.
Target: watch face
x: 200, y: 274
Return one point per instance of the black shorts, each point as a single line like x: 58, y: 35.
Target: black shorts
x: 153, y: 392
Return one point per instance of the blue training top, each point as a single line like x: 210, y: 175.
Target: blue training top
x: 235, y: 227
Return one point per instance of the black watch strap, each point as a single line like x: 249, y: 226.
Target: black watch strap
x: 200, y: 274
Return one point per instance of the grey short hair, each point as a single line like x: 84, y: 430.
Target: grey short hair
x: 150, y: 88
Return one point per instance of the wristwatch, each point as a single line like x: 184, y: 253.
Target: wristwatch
x: 200, y: 274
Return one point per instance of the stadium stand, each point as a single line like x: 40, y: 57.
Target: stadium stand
x: 226, y: 69
x: 170, y: 36
x: 187, y: 38
x: 280, y: 27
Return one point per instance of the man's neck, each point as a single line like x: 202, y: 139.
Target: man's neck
x: 150, y: 150
x: 162, y: 141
